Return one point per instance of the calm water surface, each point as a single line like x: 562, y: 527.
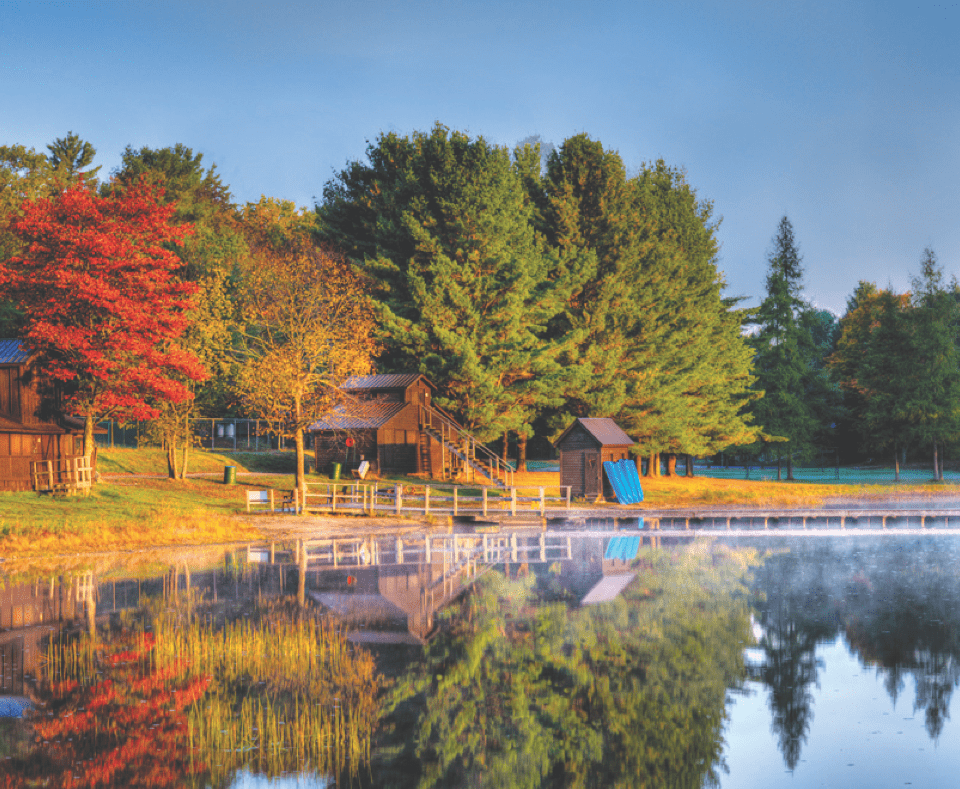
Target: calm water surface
x: 741, y: 663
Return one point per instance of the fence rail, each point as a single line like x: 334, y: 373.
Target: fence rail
x: 456, y: 500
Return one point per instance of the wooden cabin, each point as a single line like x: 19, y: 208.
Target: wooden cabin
x: 583, y: 448
x: 30, y: 428
x: 379, y: 422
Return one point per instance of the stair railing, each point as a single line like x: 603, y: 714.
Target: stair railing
x: 458, y: 440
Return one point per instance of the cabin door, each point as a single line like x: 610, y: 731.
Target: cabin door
x: 591, y: 475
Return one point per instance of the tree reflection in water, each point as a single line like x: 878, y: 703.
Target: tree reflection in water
x: 517, y: 692
x: 895, y: 601
x: 189, y: 703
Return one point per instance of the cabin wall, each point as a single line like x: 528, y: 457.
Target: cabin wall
x: 398, y: 441
x: 329, y: 447
x: 10, y: 392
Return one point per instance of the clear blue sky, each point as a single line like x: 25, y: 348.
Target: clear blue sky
x: 845, y: 116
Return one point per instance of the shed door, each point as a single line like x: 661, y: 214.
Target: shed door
x: 591, y: 474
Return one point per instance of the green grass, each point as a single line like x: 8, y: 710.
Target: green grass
x: 154, y: 461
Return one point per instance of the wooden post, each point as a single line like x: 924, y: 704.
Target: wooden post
x: 455, y: 489
x: 426, y: 499
x: 513, y: 501
x: 398, y: 494
x: 428, y: 554
x: 399, y: 550
x: 513, y: 546
x: 568, y: 496
x: 484, y: 495
x: 302, y: 580
x: 273, y: 504
x: 543, y: 546
x: 543, y: 503
x: 273, y: 553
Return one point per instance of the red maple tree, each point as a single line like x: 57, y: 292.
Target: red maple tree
x: 103, y: 304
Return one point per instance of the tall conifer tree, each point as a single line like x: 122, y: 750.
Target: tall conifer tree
x: 784, y: 352
x: 443, y: 224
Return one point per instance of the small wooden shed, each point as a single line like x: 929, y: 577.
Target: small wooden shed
x: 583, y: 448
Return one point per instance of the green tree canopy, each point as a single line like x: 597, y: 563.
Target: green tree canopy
x: 442, y: 223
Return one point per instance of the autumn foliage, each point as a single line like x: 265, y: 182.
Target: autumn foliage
x: 97, y: 281
x: 129, y: 728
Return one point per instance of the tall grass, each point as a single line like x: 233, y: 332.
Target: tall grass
x: 287, y: 696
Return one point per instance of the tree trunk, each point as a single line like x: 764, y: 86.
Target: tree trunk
x: 790, y: 476
x: 88, y: 438
x: 186, y: 452
x: 172, y: 471
x: 656, y: 463
x: 298, y: 443
x: 896, y: 464
x: 506, y: 445
x: 521, y: 451
x: 671, y: 465
x: 690, y: 465
x: 936, y: 463
x: 779, y: 467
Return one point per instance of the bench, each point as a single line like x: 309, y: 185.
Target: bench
x: 260, y: 498
x: 361, y: 471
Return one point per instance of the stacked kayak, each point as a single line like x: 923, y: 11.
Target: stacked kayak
x: 624, y: 480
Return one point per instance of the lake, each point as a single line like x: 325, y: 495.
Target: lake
x: 574, y: 657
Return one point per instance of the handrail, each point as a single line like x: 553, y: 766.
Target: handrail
x: 492, y: 465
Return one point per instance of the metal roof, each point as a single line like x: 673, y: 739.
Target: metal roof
x: 359, y: 415
x: 385, y: 381
x: 605, y: 430
x: 13, y: 352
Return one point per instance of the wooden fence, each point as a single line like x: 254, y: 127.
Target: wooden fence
x: 66, y: 475
x: 455, y: 500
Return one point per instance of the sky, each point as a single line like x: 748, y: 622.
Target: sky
x: 843, y: 116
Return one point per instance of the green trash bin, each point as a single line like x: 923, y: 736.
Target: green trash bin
x: 229, y: 475
x: 335, y: 469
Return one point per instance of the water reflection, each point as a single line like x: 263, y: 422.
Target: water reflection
x: 473, y: 659
x: 894, y: 602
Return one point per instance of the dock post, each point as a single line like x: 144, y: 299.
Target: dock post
x: 513, y: 546
x: 399, y: 550
x: 513, y: 501
x: 426, y: 499
x: 398, y: 494
x: 486, y: 555
x: 273, y: 552
x: 568, y: 496
x: 843, y: 521
x: 426, y: 541
x: 543, y: 503
x: 484, y: 494
x: 543, y: 547
x: 455, y: 489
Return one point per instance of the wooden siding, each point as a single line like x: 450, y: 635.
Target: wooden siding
x: 10, y: 392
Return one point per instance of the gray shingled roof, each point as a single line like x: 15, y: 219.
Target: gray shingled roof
x: 357, y: 416
x: 386, y: 381
x: 606, y: 431
x: 13, y: 352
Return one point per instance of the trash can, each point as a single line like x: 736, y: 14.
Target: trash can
x: 335, y: 469
x: 229, y: 475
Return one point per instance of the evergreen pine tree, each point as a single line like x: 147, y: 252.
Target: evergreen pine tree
x: 466, y: 289
x: 784, y: 353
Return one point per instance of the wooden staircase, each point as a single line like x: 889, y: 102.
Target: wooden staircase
x: 459, y: 449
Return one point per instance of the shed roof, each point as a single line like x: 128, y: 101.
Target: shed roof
x: 359, y: 415
x: 13, y: 352
x: 605, y: 430
x: 385, y: 381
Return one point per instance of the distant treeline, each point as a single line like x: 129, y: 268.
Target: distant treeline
x: 533, y: 286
